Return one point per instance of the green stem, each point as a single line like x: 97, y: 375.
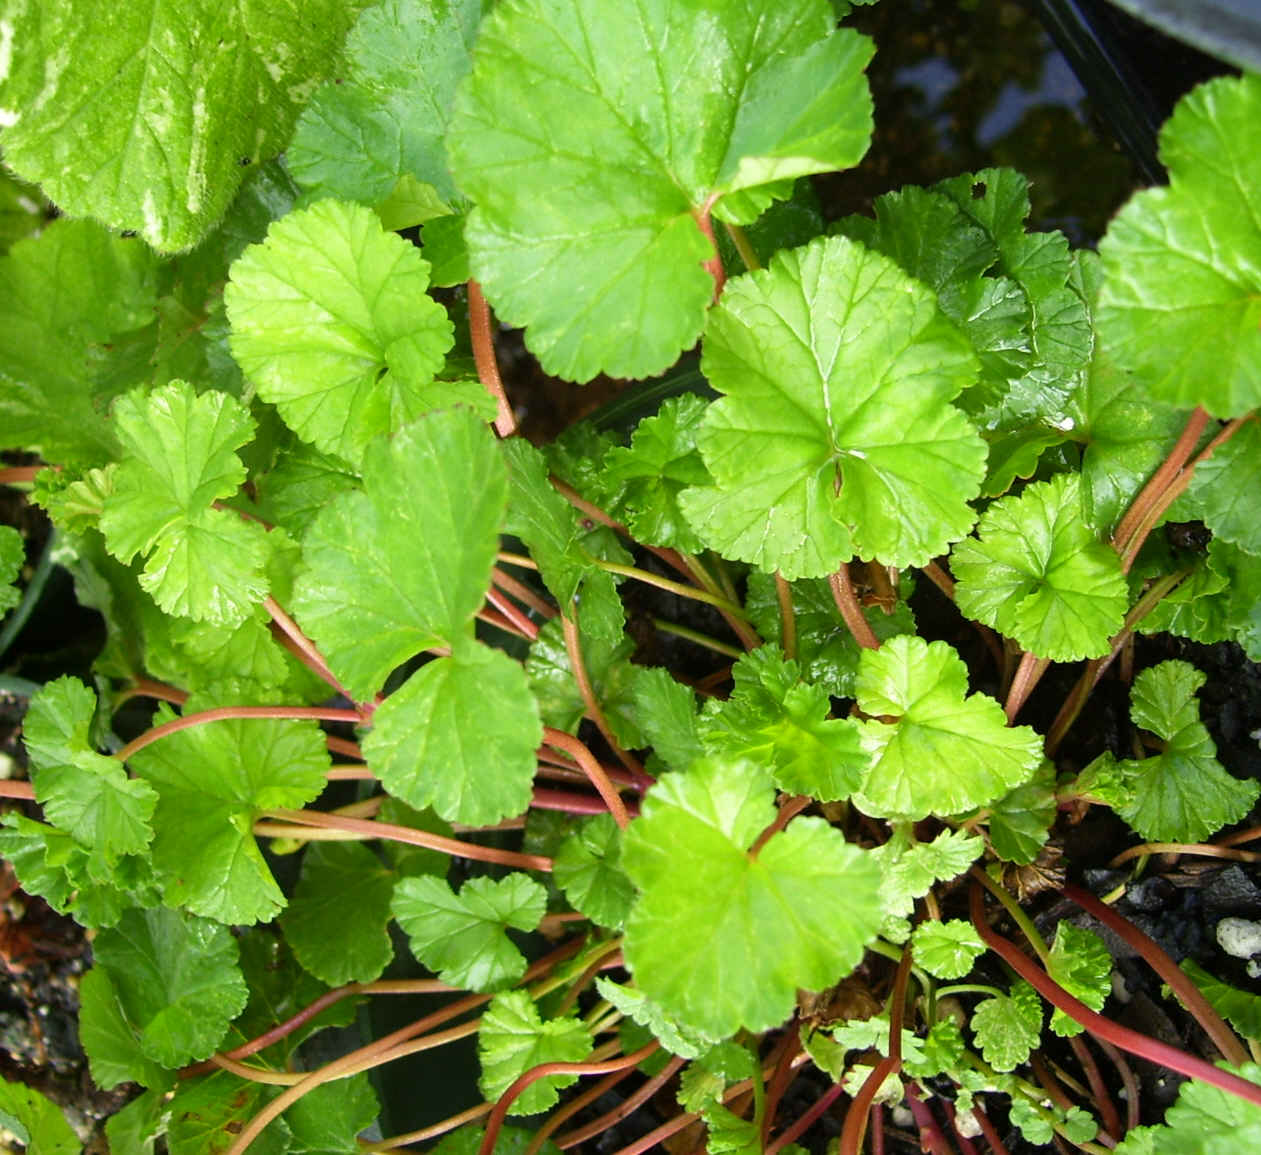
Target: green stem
x: 696, y: 636
x: 683, y: 591
x: 740, y: 239
x: 969, y: 989
x: 1018, y: 916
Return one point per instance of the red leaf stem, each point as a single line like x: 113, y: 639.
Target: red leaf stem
x: 482, y: 338
x: 305, y: 650
x: 229, y: 713
x: 1128, y: 1081
x: 1132, y: 1041
x: 1098, y: 1089
x: 966, y: 1146
x: 523, y: 593
x: 19, y: 474
x: 807, y: 1118
x: 997, y: 1146
x: 593, y: 770
x: 542, y: 1071
x: 526, y: 628
x: 851, y: 611
x: 373, y: 829
x: 569, y: 802
x: 1027, y: 675
x: 1187, y: 992
x: 11, y: 788
x: 932, y: 1141
x: 627, y: 1107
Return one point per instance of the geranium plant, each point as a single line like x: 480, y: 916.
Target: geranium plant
x: 385, y: 633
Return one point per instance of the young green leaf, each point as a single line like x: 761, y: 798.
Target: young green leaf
x: 1223, y: 489
x: 383, y: 579
x: 200, y: 562
x: 140, y: 124
x: 513, y: 1038
x: 211, y: 781
x: 1208, y: 1121
x: 1181, y: 298
x: 588, y: 870
x: 1082, y: 965
x: 661, y: 461
x: 36, y: 1121
x: 173, y: 979
x: 467, y: 1140
x: 464, y: 936
x: 947, y: 949
x: 1038, y: 574
x: 343, y: 885
x: 331, y: 321
x: 691, y: 843
x: 781, y: 724
x: 1182, y: 794
x: 908, y: 870
x: 84, y: 793
x: 385, y: 117
x: 1007, y: 1027
x: 1020, y: 821
x: 838, y: 371
x: 674, y: 1036
x: 1241, y: 1008
x: 666, y: 713
x: 436, y: 741
x: 204, y: 1116
x: 601, y: 177
x: 946, y: 752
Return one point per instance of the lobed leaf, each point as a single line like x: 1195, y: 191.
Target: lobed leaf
x: 692, y: 842
x: 601, y: 177
x: 946, y: 752
x: 514, y: 1037
x: 147, y: 117
x: 836, y: 437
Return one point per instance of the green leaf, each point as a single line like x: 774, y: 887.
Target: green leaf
x: 548, y: 524
x: 826, y: 650
x: 1241, y: 1008
x: 330, y: 320
x: 463, y: 937
x: 674, y: 1036
x: 1032, y: 1124
x: 12, y: 558
x: 666, y: 713
x: 1223, y: 489
x: 205, y: 1116
x: 908, y: 870
x: 1008, y: 1027
x: 384, y: 119
x: 511, y: 1141
x: 200, y: 562
x: 781, y: 724
x: 1182, y: 794
x: 692, y: 843
x: 384, y: 579
x: 82, y: 792
x: 948, y: 751
x: 145, y: 117
x: 36, y: 1121
x: 1209, y: 1121
x: 1181, y: 299
x: 173, y: 980
x: 947, y: 949
x: 1082, y: 965
x: 23, y: 210
x: 460, y: 736
x: 327, y: 1120
x: 1020, y: 822
x: 600, y: 177
x: 838, y: 371
x: 343, y: 885
x: 513, y: 1038
x: 661, y: 461
x: 588, y: 870
x: 212, y: 780
x: 1038, y: 574
x: 68, y: 290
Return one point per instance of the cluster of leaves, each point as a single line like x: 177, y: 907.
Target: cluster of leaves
x: 269, y: 456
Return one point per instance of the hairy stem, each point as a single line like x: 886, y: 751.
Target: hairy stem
x: 482, y: 337
x: 851, y: 611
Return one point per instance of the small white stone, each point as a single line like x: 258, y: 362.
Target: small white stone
x: 966, y: 1124
x: 1239, y: 938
